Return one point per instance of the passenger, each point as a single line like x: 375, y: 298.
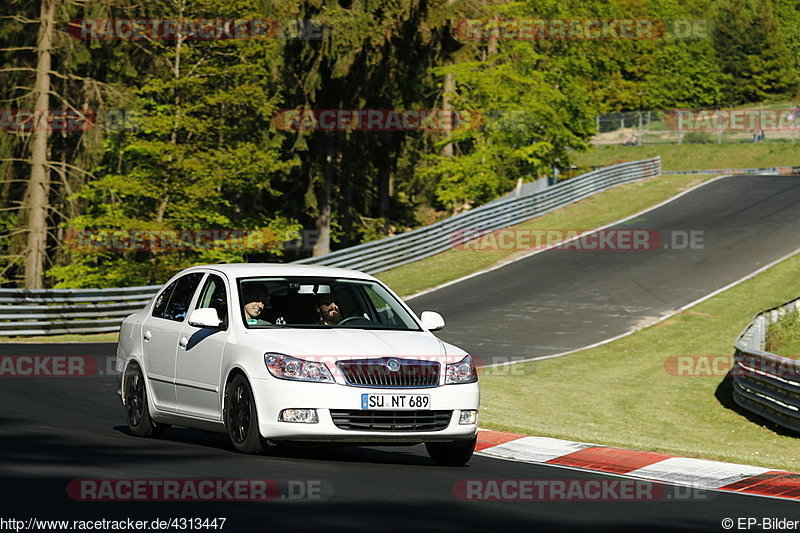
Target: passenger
x: 256, y: 312
x: 328, y: 309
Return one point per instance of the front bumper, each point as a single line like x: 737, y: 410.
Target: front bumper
x: 274, y: 395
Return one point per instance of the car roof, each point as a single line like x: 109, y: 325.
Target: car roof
x: 242, y: 270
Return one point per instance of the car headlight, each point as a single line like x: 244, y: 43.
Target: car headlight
x: 462, y: 372
x: 287, y: 367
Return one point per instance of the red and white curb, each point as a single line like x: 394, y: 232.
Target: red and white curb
x: 698, y: 473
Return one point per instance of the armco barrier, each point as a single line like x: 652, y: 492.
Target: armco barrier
x: 781, y: 171
x: 392, y: 252
x: 765, y: 383
x: 60, y: 311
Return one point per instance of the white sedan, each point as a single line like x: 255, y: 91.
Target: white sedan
x: 275, y: 353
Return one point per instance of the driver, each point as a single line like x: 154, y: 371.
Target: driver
x: 328, y: 309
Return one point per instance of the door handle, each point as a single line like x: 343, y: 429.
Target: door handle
x: 183, y: 342
x: 147, y: 336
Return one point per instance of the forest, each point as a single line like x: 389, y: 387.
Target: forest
x: 139, y: 138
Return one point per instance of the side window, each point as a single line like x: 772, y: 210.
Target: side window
x: 386, y: 315
x: 161, y: 301
x: 178, y: 305
x: 215, y: 296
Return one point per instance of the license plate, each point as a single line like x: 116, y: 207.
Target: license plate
x: 395, y: 401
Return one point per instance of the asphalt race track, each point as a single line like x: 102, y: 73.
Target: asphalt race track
x: 562, y: 300
x: 55, y: 430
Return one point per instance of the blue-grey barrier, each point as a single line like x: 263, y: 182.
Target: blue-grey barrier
x: 765, y: 383
x: 62, y: 311
x: 763, y: 170
x: 391, y: 252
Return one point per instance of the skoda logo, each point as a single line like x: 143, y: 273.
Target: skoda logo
x: 393, y: 365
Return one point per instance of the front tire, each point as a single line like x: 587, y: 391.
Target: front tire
x: 451, y: 453
x: 241, y: 418
x: 137, y: 412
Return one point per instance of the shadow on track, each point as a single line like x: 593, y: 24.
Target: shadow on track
x: 400, y: 455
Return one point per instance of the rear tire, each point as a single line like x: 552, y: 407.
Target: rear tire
x: 137, y: 412
x: 451, y: 453
x: 241, y: 417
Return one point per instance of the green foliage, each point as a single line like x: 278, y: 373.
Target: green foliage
x: 200, y: 150
x: 698, y: 137
x: 783, y: 336
x: 200, y: 157
x: 752, y: 52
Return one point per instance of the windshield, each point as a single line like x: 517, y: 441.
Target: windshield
x: 320, y: 303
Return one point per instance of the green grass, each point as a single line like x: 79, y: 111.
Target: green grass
x: 696, y: 156
x: 595, y: 211
x: 783, y: 336
x: 621, y: 394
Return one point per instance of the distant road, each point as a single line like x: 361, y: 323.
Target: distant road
x: 562, y: 300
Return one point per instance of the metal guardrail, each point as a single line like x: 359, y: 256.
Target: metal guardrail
x: 63, y: 311
x: 765, y: 383
x: 782, y: 171
x: 391, y: 252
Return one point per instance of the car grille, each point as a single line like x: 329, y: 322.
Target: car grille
x: 365, y: 420
x: 412, y: 373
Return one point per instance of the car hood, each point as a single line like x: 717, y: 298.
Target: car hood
x: 342, y: 343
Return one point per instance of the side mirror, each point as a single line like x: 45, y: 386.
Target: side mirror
x: 432, y: 321
x: 205, y: 317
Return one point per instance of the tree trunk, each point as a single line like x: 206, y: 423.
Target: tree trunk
x: 385, y: 178
x: 447, y: 107
x: 346, y: 207
x: 323, y: 220
x: 39, y: 184
x: 492, y: 46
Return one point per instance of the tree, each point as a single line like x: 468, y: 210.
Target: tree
x: 40, y: 72
x: 533, y: 109
x: 372, y: 56
x: 751, y: 51
x: 200, y: 156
